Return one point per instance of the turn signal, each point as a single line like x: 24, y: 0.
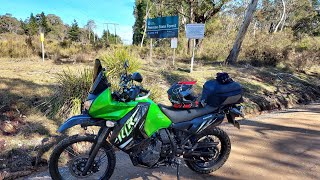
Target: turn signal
x: 110, y: 124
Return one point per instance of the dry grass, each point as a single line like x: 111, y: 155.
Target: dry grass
x: 25, y: 84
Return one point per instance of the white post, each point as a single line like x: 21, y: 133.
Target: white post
x: 42, y: 47
x: 150, y: 49
x: 192, y: 59
x: 174, y: 55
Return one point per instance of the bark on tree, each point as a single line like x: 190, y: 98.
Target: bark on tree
x: 190, y: 21
x: 282, y: 17
x: 234, y: 53
x: 145, y: 24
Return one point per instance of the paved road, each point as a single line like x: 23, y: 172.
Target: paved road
x: 281, y: 145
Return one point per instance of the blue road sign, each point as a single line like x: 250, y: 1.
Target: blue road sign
x: 163, y: 27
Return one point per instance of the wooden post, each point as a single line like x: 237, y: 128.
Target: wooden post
x: 192, y: 59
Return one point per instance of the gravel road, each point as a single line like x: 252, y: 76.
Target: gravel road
x: 279, y: 145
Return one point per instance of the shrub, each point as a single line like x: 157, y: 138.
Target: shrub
x: 73, y: 87
x: 14, y: 46
x: 114, y: 59
x: 71, y: 90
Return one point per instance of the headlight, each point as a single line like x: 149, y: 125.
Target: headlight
x: 87, y: 104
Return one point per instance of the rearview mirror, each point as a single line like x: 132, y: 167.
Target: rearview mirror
x: 137, y: 77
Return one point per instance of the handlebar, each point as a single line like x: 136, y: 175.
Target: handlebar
x: 132, y: 93
x: 144, y: 90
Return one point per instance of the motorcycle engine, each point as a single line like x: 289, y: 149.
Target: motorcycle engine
x: 150, y: 155
x: 153, y: 150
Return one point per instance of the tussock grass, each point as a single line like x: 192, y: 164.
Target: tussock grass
x: 71, y: 90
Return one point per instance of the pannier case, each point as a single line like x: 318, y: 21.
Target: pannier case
x: 216, y: 94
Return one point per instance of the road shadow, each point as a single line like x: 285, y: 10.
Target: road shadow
x: 133, y: 172
x: 261, y: 127
x: 278, y: 148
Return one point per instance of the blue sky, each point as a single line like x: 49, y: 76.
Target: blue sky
x: 101, y: 11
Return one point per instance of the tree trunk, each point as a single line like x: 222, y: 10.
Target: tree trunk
x: 254, y: 29
x: 145, y: 23
x: 190, y: 21
x: 234, y: 53
x: 89, y: 34
x: 283, y: 23
x: 282, y: 17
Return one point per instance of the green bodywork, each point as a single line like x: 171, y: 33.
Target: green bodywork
x: 104, y: 107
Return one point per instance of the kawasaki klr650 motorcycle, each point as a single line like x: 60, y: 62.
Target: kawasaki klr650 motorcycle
x: 152, y: 135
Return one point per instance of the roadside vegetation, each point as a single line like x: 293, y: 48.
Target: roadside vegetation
x: 278, y: 67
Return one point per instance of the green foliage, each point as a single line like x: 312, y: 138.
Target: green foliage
x: 308, y: 25
x: 43, y: 23
x: 57, y: 28
x: 9, y: 24
x: 72, y: 89
x: 115, y: 58
x: 32, y: 27
x: 74, y: 32
x: 109, y: 38
x: 138, y: 27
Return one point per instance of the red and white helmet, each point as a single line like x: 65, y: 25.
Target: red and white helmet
x: 181, y: 96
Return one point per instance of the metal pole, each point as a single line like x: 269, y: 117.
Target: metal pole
x: 150, y: 50
x: 192, y: 59
x: 115, y: 32
x: 108, y: 33
x: 174, y: 55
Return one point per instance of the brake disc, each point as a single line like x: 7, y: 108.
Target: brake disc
x: 77, y: 165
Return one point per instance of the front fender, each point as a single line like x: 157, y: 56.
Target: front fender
x: 76, y: 120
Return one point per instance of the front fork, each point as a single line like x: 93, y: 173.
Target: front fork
x: 100, y: 139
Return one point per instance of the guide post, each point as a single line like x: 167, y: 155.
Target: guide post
x: 42, y: 45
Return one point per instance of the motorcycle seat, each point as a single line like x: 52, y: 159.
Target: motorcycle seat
x: 182, y: 115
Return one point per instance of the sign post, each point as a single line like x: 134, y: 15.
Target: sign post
x: 194, y: 31
x: 174, y: 45
x: 42, y: 45
x: 150, y: 50
x: 162, y: 27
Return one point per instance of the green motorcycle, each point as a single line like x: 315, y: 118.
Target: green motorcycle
x: 151, y: 134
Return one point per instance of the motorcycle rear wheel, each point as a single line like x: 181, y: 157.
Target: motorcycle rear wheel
x: 71, y: 154
x: 206, y: 165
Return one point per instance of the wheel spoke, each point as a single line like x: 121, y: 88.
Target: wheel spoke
x: 73, y: 157
x: 71, y: 151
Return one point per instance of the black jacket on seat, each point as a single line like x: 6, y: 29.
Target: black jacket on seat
x: 181, y: 115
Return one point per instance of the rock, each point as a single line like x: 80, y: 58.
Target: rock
x: 2, y: 144
x: 8, y: 128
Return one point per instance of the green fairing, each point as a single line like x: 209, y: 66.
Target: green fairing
x: 105, y: 108
x: 156, y: 120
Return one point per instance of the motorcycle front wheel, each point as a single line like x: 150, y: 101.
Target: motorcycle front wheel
x: 69, y: 158
x: 219, y: 153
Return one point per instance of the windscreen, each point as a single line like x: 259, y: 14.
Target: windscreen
x: 96, y: 69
